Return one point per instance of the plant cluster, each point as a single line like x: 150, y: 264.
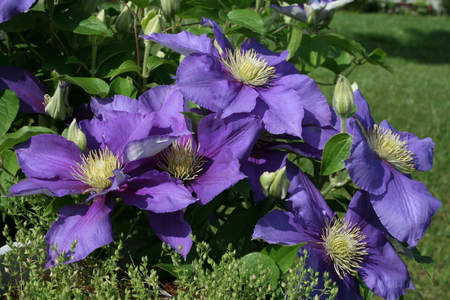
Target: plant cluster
x: 172, y: 119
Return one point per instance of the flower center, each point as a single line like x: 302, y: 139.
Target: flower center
x: 391, y: 148
x: 343, y: 244
x: 181, y: 161
x: 246, y: 67
x: 95, y: 169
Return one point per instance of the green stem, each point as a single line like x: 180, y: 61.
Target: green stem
x: 343, y: 125
x: 147, y: 48
x: 2, y: 190
x: 94, y: 60
x: 258, y: 5
x: 9, y: 173
x: 31, y: 48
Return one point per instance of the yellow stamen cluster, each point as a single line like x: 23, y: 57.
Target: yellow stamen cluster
x: 344, y: 245
x: 181, y: 161
x: 391, y: 148
x: 246, y: 67
x: 95, y: 169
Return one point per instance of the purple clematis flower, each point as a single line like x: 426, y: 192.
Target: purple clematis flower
x: 249, y: 79
x: 380, y: 161
x: 116, y: 142
x: 318, y: 10
x: 356, y: 245
x: 9, y: 8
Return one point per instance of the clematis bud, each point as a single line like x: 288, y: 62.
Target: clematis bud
x: 55, y: 106
x: 123, y: 21
x: 170, y: 7
x: 77, y: 136
x: 275, y: 184
x: 151, y: 23
x: 98, y: 39
x: 311, y: 17
x: 343, y: 98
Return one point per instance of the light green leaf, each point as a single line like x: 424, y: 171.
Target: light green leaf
x: 295, y: 39
x: 123, y: 86
x: 283, y: 256
x: 10, y: 139
x: 9, y: 106
x: 92, y: 85
x: 126, y: 66
x: 247, y: 18
x: 154, y: 61
x: 253, y: 262
x: 335, y: 151
x: 141, y: 3
x: 10, y: 163
x: 174, y: 270
x: 81, y: 22
x: 313, y: 51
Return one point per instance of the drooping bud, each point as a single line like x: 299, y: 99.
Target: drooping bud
x: 343, y: 98
x: 151, y: 23
x: 96, y: 40
x: 123, y: 21
x: 77, y: 136
x: 56, y: 106
x: 275, y: 184
x: 170, y: 7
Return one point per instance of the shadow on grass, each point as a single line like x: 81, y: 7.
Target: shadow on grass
x: 425, y: 48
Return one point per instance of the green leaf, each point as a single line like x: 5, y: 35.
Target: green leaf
x: 174, y: 270
x: 91, y: 85
x: 154, y: 61
x: 247, y: 18
x: 58, y: 203
x: 253, y: 262
x: 295, y: 38
x: 126, y: 66
x: 196, y: 118
x: 78, y: 21
x: 335, y: 151
x: 75, y: 60
x: 10, y: 139
x: 141, y: 3
x: 200, y: 12
x: 217, y: 5
x: 25, y: 21
x: 10, y: 163
x: 313, y: 51
x: 283, y: 256
x: 242, y: 3
x: 242, y: 187
x: 123, y: 86
x: 9, y: 106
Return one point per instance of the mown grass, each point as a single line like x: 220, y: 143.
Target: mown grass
x: 415, y: 98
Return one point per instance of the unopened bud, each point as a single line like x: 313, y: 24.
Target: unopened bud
x: 275, y: 184
x: 56, y: 106
x: 96, y: 40
x: 123, y: 21
x: 77, y: 136
x: 151, y: 23
x: 343, y: 98
x: 170, y: 7
x: 311, y: 20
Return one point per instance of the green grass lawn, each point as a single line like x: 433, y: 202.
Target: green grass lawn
x: 415, y: 98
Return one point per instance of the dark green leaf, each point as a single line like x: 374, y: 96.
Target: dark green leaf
x: 10, y: 139
x: 217, y: 5
x: 154, y: 61
x: 25, y: 21
x: 242, y: 3
x: 200, y: 12
x: 196, y: 118
x: 58, y: 203
x: 283, y: 256
x: 141, y: 3
x: 335, y: 151
x: 81, y: 22
x: 247, y: 18
x: 126, y: 66
x: 9, y: 161
x: 254, y: 262
x: 9, y: 106
x: 92, y: 85
x: 174, y: 270
x: 313, y: 51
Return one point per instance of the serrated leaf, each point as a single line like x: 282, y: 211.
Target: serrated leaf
x: 283, y: 256
x: 91, y: 85
x: 10, y: 139
x: 126, y: 66
x: 253, y: 262
x: 247, y: 18
x: 335, y: 151
x: 9, y: 106
x: 79, y: 21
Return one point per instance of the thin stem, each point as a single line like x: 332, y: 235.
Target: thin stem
x: 258, y: 5
x: 31, y: 48
x: 9, y: 173
x: 343, y: 125
x: 94, y: 60
x: 148, y: 47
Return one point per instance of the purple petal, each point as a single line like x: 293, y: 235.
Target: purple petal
x: 156, y: 192
x: 365, y: 167
x: 231, y: 97
x: 116, y: 103
x: 9, y: 8
x: 173, y: 230
x: 221, y: 39
x: 55, y: 188
x: 28, y: 88
x: 89, y: 225
x: 363, y: 110
x: 281, y: 227
x: 295, y: 11
x: 406, y: 208
x: 272, y: 58
x: 281, y: 111
x: 184, y: 42
x: 48, y: 156
x: 220, y: 175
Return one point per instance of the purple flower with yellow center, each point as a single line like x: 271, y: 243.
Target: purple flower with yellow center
x: 9, y: 8
x: 248, y: 79
x: 116, y: 143
x: 356, y: 245
x: 380, y: 163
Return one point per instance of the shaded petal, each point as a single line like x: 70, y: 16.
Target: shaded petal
x: 89, y: 225
x: 295, y: 11
x: 220, y: 175
x: 230, y: 97
x: 115, y: 103
x: 184, y: 42
x: 406, y: 208
x: 173, y: 230
x: 48, y: 156
x: 157, y: 192
x: 281, y: 227
x: 363, y: 110
x: 281, y: 111
x: 28, y: 88
x: 55, y: 188
x: 365, y: 167
x: 272, y: 58
x: 221, y: 39
x: 9, y: 8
